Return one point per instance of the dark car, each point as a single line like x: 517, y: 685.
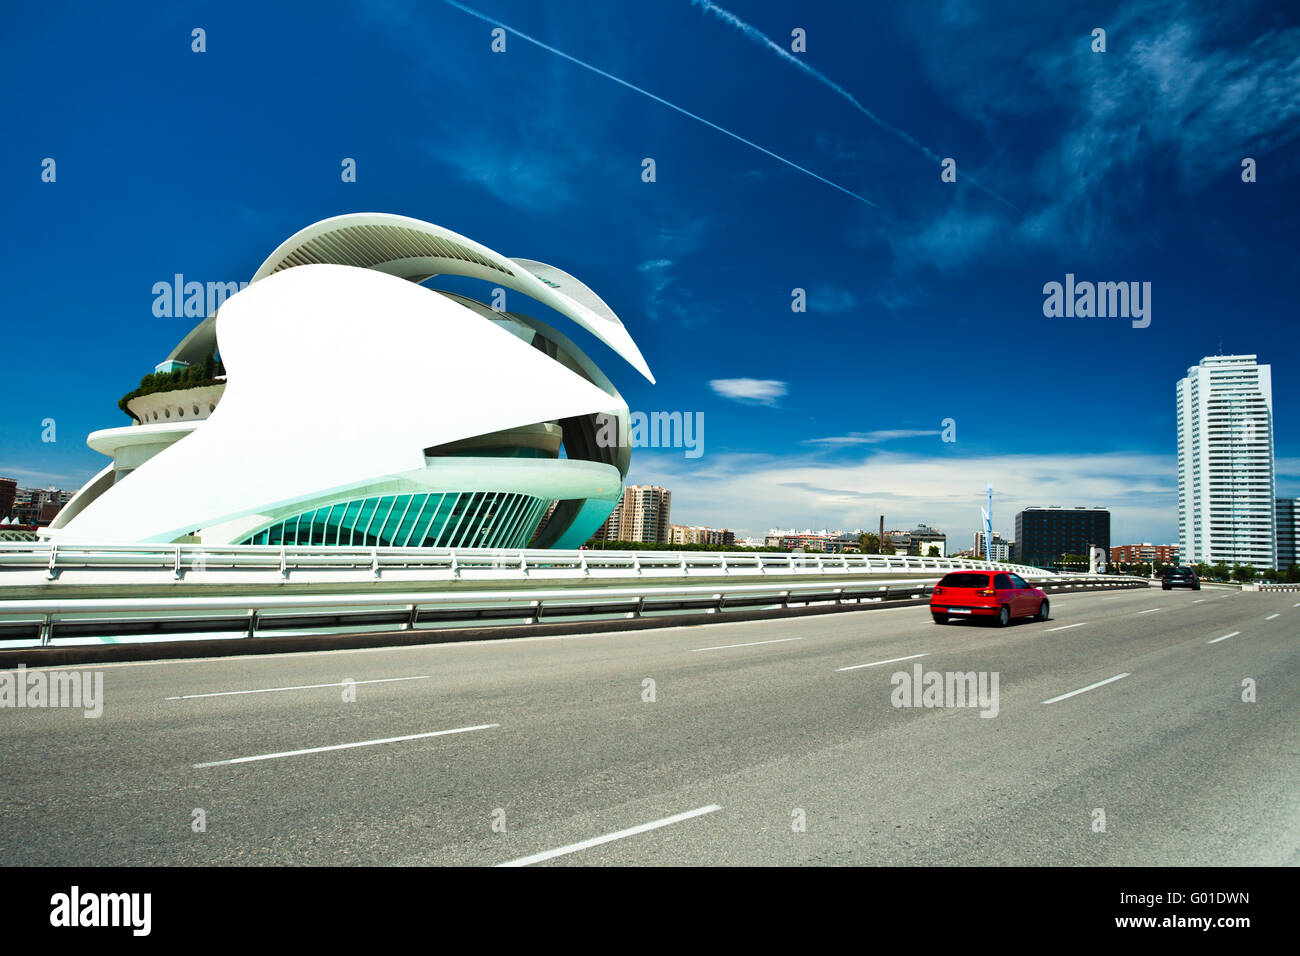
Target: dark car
x: 987, y: 594
x: 1179, y: 578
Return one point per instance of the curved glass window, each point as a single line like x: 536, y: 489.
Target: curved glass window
x: 465, y: 519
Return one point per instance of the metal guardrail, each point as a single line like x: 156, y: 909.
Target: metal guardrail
x: 453, y: 564
x: 45, y: 620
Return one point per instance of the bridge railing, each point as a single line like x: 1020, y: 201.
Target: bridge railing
x: 180, y: 560
x: 46, y: 620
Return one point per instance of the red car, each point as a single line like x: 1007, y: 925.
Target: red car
x: 987, y: 594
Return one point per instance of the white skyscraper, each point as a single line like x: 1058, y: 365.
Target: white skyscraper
x: 1225, y: 463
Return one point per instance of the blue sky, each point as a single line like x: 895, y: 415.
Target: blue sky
x: 1115, y: 166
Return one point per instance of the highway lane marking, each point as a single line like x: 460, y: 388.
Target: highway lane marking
x: 1199, y: 600
x: 892, y: 660
x: 1224, y: 638
x: 1271, y: 616
x: 271, y: 690
x: 1151, y: 610
x: 1081, y: 690
x: 361, y: 743
x: 1066, y: 627
x: 610, y: 837
x: 723, y: 647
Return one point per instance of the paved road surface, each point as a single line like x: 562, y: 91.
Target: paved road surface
x: 748, y: 738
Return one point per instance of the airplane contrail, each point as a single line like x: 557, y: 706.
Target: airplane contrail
x: 758, y: 36
x: 658, y: 99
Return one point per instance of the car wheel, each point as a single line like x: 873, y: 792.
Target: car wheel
x: 1043, y: 611
x: 1004, y: 616
x: 940, y: 618
x: 1165, y: 587
x: 1196, y: 587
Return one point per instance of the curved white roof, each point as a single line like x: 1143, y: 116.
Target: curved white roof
x: 417, y: 250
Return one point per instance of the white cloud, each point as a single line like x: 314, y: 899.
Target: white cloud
x: 872, y: 438
x: 43, y: 476
x: 832, y: 299
x: 759, y: 391
x: 1175, y: 95
x: 665, y: 297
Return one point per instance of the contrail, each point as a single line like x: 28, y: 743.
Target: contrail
x: 657, y: 99
x: 763, y: 39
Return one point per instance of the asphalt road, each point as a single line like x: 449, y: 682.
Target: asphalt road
x: 753, y: 739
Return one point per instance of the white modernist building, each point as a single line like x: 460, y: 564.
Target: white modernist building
x: 1225, y: 463
x: 360, y: 407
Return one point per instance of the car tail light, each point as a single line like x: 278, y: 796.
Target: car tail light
x: 938, y: 590
x: 986, y: 592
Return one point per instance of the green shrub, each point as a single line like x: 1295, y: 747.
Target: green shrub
x: 195, y: 376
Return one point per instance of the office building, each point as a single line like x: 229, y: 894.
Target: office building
x: 8, y: 493
x: 641, y: 515
x: 1145, y: 552
x: 1001, y: 547
x: 691, y: 534
x: 1226, y: 490
x: 1044, y: 535
x: 1288, y: 532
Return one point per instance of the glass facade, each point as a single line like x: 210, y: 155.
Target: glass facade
x: 1045, y: 535
x: 464, y: 519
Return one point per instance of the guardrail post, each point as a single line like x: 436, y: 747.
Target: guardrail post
x: 176, y: 565
x: 284, y: 564
x: 523, y: 564
x: 582, y: 562
x: 410, y: 619
x: 50, y: 571
x: 374, y: 562
x: 252, y: 622
x: 47, y: 630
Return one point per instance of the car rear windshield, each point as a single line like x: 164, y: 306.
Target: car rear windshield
x: 1177, y: 572
x: 966, y: 580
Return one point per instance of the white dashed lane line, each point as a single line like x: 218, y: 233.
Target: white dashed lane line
x: 1224, y: 638
x: 1082, y: 690
x: 610, y: 837
x: 272, y: 690
x: 892, y: 660
x: 361, y: 743
x: 1271, y: 616
x: 1066, y: 627
x: 723, y: 647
